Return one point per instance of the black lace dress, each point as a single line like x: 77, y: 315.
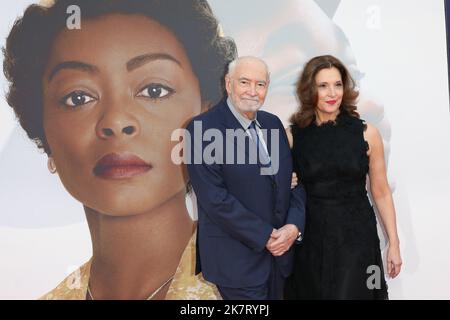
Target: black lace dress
x: 340, y: 256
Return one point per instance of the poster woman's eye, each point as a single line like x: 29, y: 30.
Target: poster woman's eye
x: 76, y: 99
x: 156, y: 91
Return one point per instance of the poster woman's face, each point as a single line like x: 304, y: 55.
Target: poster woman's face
x: 113, y: 93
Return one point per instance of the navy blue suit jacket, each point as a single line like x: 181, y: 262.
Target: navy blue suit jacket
x: 238, y: 207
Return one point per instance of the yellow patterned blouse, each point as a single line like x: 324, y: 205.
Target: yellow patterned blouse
x: 185, y: 284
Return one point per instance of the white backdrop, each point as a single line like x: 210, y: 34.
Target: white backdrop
x: 397, y: 52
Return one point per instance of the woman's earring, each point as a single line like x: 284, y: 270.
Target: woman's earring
x: 51, y: 165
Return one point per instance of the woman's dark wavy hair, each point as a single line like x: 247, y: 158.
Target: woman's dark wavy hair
x: 307, y: 92
x: 29, y: 43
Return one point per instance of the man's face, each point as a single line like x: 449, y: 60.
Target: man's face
x: 247, y: 86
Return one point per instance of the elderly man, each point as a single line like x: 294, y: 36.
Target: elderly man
x: 248, y: 218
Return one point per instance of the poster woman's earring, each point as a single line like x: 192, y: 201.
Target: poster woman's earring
x: 51, y: 165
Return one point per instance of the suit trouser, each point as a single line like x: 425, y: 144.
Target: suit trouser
x: 272, y: 289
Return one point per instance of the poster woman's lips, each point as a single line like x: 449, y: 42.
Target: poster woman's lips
x: 331, y: 102
x: 120, y: 166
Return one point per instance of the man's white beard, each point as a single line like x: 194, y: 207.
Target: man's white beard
x: 250, y: 106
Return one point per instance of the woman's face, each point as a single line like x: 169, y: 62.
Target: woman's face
x: 113, y: 93
x: 330, y: 90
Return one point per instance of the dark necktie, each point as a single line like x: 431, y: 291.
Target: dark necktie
x: 263, y: 157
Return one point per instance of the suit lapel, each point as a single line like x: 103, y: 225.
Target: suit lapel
x: 265, y: 126
x: 230, y: 122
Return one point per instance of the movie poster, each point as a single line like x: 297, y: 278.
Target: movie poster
x: 395, y: 51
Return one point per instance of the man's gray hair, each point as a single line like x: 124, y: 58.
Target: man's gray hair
x: 232, y: 65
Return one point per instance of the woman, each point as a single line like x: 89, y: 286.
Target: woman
x: 102, y: 102
x: 333, y: 153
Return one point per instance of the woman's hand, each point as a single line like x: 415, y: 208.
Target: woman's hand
x: 294, y: 181
x: 394, y: 260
